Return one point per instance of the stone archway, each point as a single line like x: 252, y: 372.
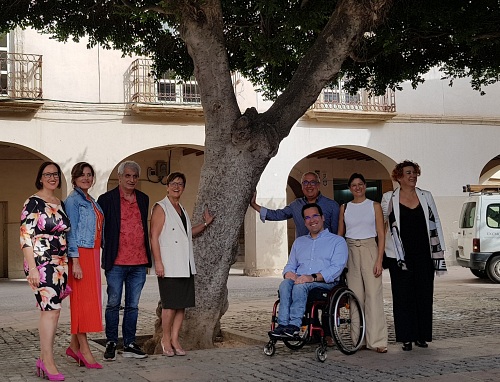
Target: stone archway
x: 157, y: 162
x: 334, y: 165
x: 155, y: 165
x: 491, y: 172
x: 17, y: 182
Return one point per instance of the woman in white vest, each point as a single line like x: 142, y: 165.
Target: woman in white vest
x: 362, y: 221
x: 172, y: 246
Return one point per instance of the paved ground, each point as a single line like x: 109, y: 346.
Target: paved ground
x: 467, y: 333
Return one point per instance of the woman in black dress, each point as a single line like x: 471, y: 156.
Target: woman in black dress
x: 414, y: 246
x: 172, y: 246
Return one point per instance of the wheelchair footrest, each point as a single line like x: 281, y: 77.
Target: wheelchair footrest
x: 274, y: 336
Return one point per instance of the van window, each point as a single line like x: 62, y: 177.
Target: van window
x: 467, y: 215
x: 493, y: 216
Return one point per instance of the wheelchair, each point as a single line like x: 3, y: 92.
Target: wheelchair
x: 336, y: 313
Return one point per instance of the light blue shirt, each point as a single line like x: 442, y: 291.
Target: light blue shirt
x: 326, y: 254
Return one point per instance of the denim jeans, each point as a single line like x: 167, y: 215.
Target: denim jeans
x: 293, y: 300
x: 134, y: 278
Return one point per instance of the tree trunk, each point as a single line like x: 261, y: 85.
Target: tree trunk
x: 226, y: 187
x: 238, y: 147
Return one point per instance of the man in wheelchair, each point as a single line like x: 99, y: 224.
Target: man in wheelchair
x: 316, y: 261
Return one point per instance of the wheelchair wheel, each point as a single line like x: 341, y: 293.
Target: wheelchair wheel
x: 298, y: 342
x: 321, y: 353
x: 269, y: 349
x: 347, y: 321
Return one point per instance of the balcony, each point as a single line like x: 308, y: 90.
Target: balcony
x: 170, y: 96
x: 20, y: 81
x: 336, y: 104
x: 167, y: 95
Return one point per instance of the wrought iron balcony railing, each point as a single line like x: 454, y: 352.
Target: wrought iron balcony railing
x: 144, y: 88
x: 20, y: 76
x: 338, y: 99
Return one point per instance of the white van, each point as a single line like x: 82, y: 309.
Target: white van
x: 479, y: 232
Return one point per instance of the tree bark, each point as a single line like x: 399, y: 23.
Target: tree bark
x: 238, y: 147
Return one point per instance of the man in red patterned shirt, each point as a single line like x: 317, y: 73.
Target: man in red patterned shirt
x: 125, y: 257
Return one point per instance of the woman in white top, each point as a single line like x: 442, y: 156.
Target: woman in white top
x: 171, y: 237
x: 362, y: 222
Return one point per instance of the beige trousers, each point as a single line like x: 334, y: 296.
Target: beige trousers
x: 368, y: 288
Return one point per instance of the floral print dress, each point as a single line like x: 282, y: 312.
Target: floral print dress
x: 43, y: 227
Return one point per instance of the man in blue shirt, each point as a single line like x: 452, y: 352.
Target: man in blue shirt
x: 310, y: 187
x: 316, y: 261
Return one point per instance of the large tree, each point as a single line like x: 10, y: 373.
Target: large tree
x: 291, y: 50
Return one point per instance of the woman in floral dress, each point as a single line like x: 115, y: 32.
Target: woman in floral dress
x: 43, y: 240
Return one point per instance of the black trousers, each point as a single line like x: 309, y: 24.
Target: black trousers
x: 412, y: 296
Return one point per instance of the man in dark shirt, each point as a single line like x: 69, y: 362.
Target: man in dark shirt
x: 125, y: 257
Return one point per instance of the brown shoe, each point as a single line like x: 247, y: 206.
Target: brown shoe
x: 329, y: 341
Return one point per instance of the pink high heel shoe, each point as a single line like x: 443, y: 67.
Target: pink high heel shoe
x: 88, y: 365
x: 71, y: 353
x: 42, y: 372
x: 168, y: 352
x: 38, y: 371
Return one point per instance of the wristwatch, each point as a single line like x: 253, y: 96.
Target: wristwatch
x: 315, y: 277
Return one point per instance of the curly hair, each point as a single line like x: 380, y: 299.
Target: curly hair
x: 397, y: 173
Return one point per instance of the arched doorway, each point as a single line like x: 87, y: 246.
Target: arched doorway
x: 156, y: 163
x: 17, y: 182
x: 334, y: 165
x: 490, y: 174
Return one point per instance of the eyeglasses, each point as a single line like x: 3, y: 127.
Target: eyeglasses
x: 310, y: 182
x: 306, y: 218
x: 48, y: 175
x: 173, y: 184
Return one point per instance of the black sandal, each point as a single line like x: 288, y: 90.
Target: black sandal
x: 407, y: 346
x: 421, y: 344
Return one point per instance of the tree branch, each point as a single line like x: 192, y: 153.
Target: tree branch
x: 322, y: 62
x: 486, y: 36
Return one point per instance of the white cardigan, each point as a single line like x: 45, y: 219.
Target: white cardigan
x: 176, y: 244
x: 426, y: 200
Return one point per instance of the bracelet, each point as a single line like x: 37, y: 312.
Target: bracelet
x: 206, y: 225
x: 32, y: 268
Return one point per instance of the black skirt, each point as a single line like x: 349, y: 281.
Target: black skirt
x: 176, y: 292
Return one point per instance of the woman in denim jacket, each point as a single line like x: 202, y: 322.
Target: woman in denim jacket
x: 84, y: 243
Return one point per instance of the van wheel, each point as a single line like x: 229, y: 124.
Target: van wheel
x: 479, y: 273
x: 493, y: 269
